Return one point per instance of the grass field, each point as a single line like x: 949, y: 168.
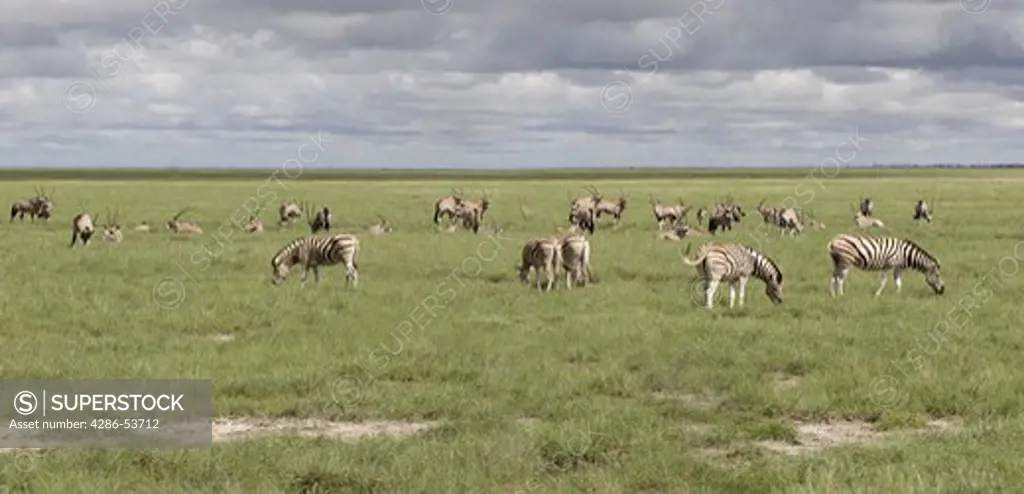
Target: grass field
x: 622, y: 386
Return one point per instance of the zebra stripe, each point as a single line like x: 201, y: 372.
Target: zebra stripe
x: 541, y: 253
x: 314, y: 251
x: 575, y: 250
x: 870, y: 253
x: 735, y: 264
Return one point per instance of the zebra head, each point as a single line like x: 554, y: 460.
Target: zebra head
x: 279, y: 266
x: 934, y: 279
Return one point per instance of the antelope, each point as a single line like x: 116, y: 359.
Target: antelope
x: 318, y: 220
x: 447, y: 206
x: 112, y: 228
x: 613, y: 207
x: 380, y: 228
x: 922, y: 211
x: 288, y: 213
x: 867, y: 221
x: 255, y: 224
x: 472, y: 212
x: 81, y: 228
x: 724, y: 215
x: 866, y: 206
x: 584, y: 203
x: 40, y: 206
x: 142, y: 227
x: 670, y: 214
x: 187, y: 227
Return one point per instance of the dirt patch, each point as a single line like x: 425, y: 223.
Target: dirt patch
x: 238, y: 428
x: 785, y: 380
x: 697, y: 401
x: 816, y: 436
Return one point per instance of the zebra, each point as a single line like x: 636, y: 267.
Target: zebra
x: 735, y: 264
x: 871, y: 253
x: 314, y: 251
x: 541, y: 253
x: 81, y: 229
x: 575, y: 253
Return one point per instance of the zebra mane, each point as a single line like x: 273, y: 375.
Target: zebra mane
x: 925, y: 253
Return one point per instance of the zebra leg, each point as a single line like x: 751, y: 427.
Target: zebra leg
x: 732, y: 294
x: 305, y: 274
x: 316, y: 274
x: 569, y: 273
x: 881, y: 286
x: 549, y: 276
x: 743, y: 289
x: 897, y: 277
x: 709, y: 294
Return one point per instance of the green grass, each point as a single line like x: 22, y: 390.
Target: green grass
x: 584, y: 366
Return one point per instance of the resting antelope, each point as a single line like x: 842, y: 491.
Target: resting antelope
x: 81, y: 229
x: 112, y: 228
x: 186, y: 227
x: 380, y: 228
x: 255, y: 224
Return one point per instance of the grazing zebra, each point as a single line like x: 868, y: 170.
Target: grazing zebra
x: 922, y: 211
x: 314, y: 251
x: 870, y: 253
x: 81, y: 229
x: 576, y: 260
x: 735, y: 264
x: 541, y: 253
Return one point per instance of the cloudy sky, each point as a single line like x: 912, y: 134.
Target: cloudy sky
x: 510, y: 83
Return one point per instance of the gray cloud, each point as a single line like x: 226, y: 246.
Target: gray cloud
x: 489, y: 83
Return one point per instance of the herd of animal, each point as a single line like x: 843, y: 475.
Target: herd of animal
x: 568, y: 250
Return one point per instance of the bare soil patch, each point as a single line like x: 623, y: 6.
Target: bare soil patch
x: 700, y: 402
x: 239, y: 428
x: 785, y: 380
x: 816, y: 436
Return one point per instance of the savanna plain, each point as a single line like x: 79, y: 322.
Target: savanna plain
x: 474, y: 382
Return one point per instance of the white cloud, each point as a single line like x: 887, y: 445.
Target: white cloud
x: 493, y: 83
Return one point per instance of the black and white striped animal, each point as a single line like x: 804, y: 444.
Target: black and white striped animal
x: 735, y: 264
x: 575, y: 259
x: 81, y: 229
x: 922, y: 211
x: 545, y: 254
x: 314, y: 251
x: 870, y: 253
